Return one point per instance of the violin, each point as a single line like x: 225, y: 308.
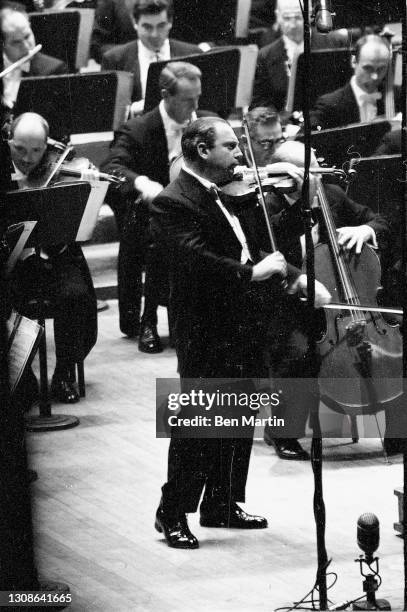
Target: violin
x: 60, y: 162
x: 243, y: 190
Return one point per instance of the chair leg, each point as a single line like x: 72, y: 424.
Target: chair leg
x: 81, y: 378
x: 354, y: 429
x: 45, y: 404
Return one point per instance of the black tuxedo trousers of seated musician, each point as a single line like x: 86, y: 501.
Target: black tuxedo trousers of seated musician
x: 220, y: 318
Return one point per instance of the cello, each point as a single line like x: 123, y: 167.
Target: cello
x: 357, y: 345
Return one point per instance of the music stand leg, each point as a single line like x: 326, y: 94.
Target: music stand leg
x: 46, y: 421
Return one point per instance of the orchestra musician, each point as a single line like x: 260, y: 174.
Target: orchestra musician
x: 142, y: 150
x: 362, y: 98
x: 153, y: 22
x: 60, y: 273
x: 17, y: 40
x: 290, y: 328
x: 221, y: 296
x: 275, y: 59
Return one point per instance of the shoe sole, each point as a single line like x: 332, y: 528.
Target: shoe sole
x: 151, y: 351
x: 225, y: 525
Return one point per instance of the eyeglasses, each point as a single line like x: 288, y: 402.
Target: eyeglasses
x: 269, y: 143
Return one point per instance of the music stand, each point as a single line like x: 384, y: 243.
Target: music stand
x: 339, y: 73
x: 77, y: 103
x: 227, y: 78
x: 58, y: 212
x: 341, y: 144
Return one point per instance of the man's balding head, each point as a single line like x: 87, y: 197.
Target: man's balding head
x: 371, y: 62
x: 28, y: 141
x: 290, y: 20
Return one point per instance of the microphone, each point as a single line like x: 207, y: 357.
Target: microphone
x: 368, y: 534
x: 323, y: 16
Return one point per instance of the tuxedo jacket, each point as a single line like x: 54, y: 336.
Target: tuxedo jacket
x: 125, y: 57
x: 339, y: 108
x: 271, y: 78
x: 219, y: 315
x: 139, y: 147
x: 113, y: 26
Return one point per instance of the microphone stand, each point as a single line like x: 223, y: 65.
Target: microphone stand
x: 316, y: 446
x: 403, y: 230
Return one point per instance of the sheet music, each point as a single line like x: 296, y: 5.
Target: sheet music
x: 17, y: 236
x: 90, y: 215
x: 23, y: 337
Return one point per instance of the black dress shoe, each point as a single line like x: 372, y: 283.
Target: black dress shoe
x: 287, y: 448
x: 149, y: 341
x: 64, y: 391
x: 176, y: 531
x: 231, y: 515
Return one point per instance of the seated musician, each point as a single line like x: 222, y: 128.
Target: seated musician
x: 17, y: 41
x: 362, y: 98
x: 266, y: 133
x: 275, y: 59
x: 153, y: 22
x: 289, y: 331
x: 60, y: 273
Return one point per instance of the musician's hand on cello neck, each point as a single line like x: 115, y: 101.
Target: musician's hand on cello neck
x: 355, y: 237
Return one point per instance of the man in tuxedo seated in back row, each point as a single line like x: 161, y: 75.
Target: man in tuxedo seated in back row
x: 153, y: 22
x: 275, y: 60
x: 142, y: 151
x: 59, y: 274
x: 17, y: 40
x: 362, y: 98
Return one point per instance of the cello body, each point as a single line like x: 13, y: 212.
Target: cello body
x: 361, y: 354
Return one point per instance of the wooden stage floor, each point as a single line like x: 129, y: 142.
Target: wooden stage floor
x: 99, y: 486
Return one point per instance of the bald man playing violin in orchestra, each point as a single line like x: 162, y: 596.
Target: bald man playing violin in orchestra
x: 60, y: 273
x: 356, y: 225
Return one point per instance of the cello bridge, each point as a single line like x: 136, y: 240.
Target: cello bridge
x: 355, y: 332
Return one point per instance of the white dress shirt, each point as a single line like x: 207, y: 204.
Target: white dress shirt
x: 293, y: 50
x: 173, y: 131
x: 12, y: 80
x: 146, y: 57
x: 366, y: 102
x: 232, y: 219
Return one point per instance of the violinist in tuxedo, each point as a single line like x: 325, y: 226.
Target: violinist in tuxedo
x: 153, y: 22
x: 362, y: 98
x: 59, y: 273
x: 222, y: 293
x: 17, y: 41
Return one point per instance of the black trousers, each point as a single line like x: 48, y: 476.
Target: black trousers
x: 136, y: 253
x: 65, y: 281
